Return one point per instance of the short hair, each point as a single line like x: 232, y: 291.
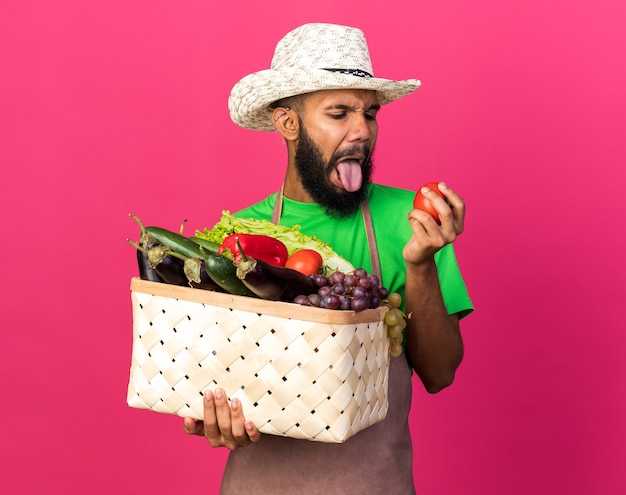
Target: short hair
x: 295, y: 102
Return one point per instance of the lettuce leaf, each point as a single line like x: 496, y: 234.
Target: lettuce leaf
x: 290, y: 236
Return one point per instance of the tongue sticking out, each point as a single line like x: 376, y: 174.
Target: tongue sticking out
x: 350, y: 175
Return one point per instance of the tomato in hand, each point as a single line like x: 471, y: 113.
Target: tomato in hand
x: 421, y: 203
x: 306, y: 261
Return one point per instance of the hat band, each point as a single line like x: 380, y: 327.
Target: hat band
x: 351, y: 72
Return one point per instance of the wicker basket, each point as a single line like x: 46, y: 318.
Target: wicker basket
x: 299, y: 372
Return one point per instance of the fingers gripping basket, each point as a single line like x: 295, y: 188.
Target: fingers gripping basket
x: 300, y: 372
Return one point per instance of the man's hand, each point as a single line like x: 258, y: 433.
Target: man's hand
x: 223, y: 425
x: 428, y: 236
x: 433, y: 338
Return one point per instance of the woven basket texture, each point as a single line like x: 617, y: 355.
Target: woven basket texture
x: 322, y: 380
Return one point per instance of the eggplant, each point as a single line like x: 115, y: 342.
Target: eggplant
x: 191, y: 252
x: 196, y: 273
x: 206, y: 282
x: 276, y: 283
x: 157, y: 261
x: 146, y: 271
x: 168, y: 266
x: 171, y: 270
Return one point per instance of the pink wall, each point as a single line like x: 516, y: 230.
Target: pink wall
x: 111, y: 107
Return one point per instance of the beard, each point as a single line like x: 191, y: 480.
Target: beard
x: 314, y: 174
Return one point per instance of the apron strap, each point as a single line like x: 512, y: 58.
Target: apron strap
x: 371, y: 239
x: 278, y: 207
x: 367, y: 220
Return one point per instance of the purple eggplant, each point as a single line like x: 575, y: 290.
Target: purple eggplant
x: 146, y: 272
x: 171, y: 270
x: 195, y: 271
x: 276, y: 283
x: 169, y: 266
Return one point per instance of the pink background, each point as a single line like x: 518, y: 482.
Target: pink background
x: 112, y: 107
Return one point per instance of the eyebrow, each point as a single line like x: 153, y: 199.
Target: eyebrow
x: 339, y: 106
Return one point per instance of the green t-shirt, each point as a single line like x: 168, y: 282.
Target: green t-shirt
x: 389, y: 207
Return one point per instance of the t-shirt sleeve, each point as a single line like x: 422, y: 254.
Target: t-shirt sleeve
x: 453, y: 288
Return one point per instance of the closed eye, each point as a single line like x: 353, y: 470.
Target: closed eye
x: 370, y: 113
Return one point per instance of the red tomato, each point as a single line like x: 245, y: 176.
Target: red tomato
x: 421, y: 203
x: 305, y: 261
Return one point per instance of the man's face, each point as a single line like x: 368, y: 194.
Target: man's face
x: 338, y: 132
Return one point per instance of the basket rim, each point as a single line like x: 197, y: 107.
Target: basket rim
x: 253, y: 305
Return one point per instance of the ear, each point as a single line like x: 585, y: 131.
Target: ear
x: 286, y: 122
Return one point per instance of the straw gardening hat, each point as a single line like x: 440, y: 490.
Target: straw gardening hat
x: 310, y: 58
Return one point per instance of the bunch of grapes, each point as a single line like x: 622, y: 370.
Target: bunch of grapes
x: 396, y: 324
x: 357, y: 291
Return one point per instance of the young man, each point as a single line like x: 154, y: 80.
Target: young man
x: 321, y: 95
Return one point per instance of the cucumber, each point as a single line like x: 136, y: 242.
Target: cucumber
x: 176, y: 242
x: 224, y: 273
x: 209, y: 246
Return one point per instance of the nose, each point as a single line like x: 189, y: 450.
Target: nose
x: 363, y: 127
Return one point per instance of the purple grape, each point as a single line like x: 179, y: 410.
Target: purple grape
x: 374, y: 301
x: 360, y: 273
x: 351, y: 280
x: 336, y: 278
x: 338, y: 289
x: 302, y: 299
x: 365, y: 282
x: 331, y: 301
x: 359, y: 303
x: 383, y: 293
x: 345, y: 303
x: 324, y: 291
x: 359, y: 292
x: 320, y: 280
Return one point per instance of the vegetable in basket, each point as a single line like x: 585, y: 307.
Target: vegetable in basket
x: 156, y: 264
x: 195, y: 256
x: 224, y: 273
x: 169, y: 268
x: 257, y: 246
x: 222, y: 270
x: 272, y: 282
x: 177, y: 242
x: 189, y: 261
x: 307, y: 261
x: 146, y: 270
x: 291, y: 237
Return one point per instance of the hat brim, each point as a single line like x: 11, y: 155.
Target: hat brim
x: 250, y: 98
